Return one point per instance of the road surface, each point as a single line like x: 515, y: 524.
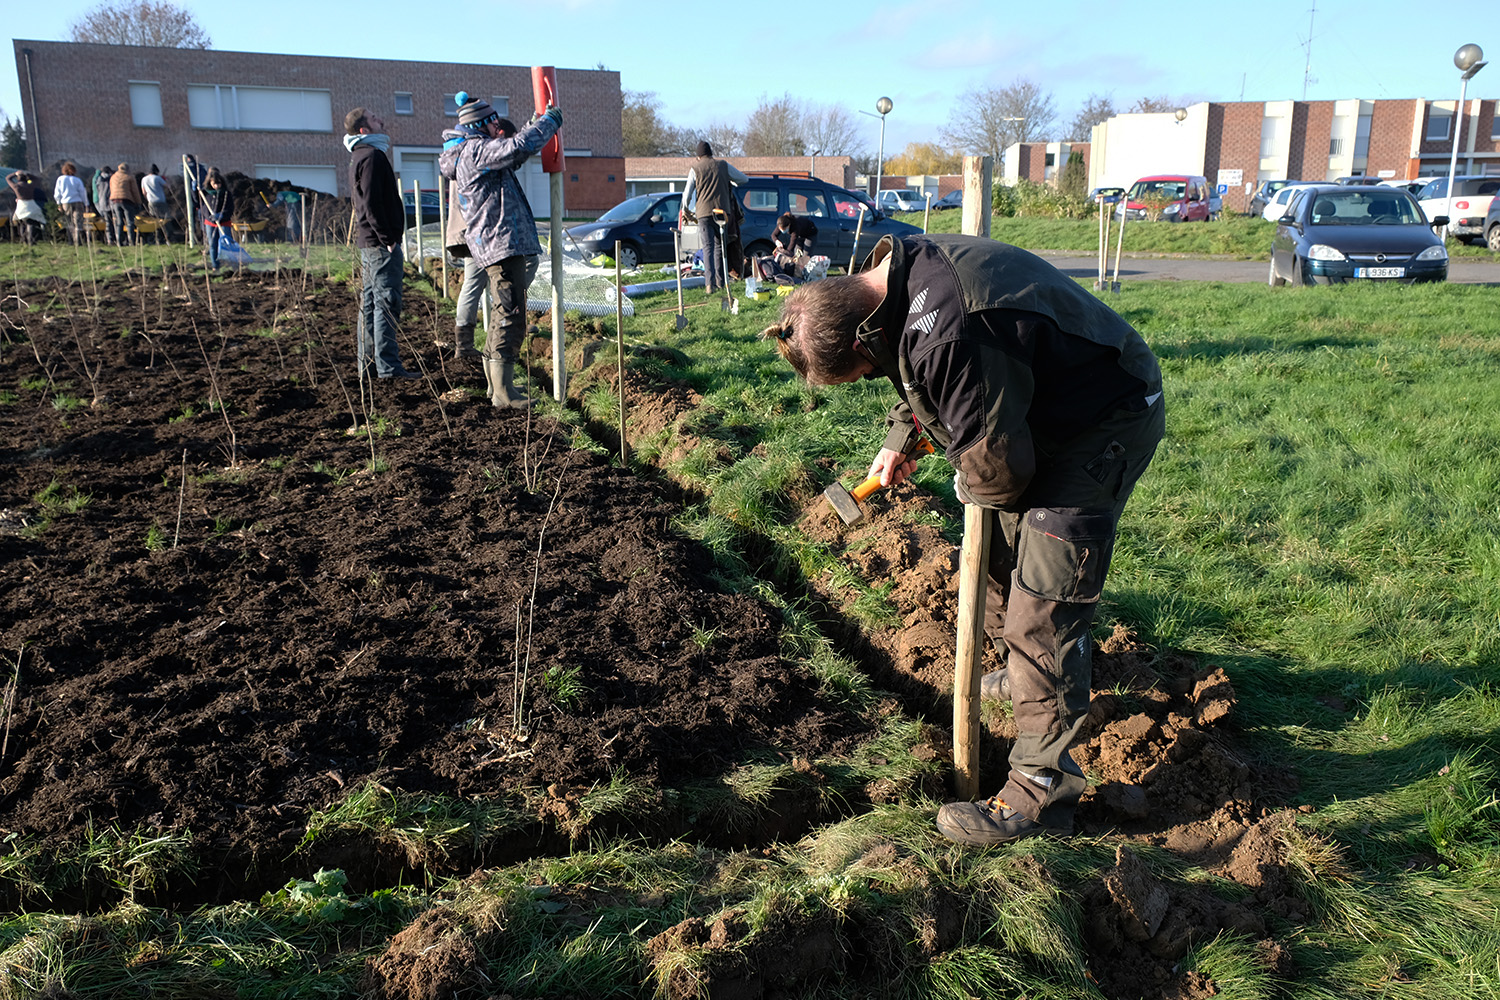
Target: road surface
x: 1465, y: 270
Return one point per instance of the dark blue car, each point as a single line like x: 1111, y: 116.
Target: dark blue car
x: 642, y: 224
x: 1332, y: 233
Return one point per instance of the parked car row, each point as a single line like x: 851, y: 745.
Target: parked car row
x: 643, y: 225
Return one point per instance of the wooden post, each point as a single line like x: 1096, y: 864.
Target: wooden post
x: 443, y: 231
x: 858, y: 228
x: 978, y: 179
x: 416, y: 203
x: 620, y: 352
x: 559, y: 366
x: 187, y: 197
x: 973, y: 571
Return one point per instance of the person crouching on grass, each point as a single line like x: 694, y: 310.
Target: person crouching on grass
x: 1049, y: 406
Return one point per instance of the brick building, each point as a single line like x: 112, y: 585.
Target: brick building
x: 282, y: 116
x: 1041, y: 162
x: 1239, y: 144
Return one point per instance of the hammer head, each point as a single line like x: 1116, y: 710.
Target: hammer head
x: 844, y: 503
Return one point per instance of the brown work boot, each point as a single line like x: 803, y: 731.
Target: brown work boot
x: 984, y: 824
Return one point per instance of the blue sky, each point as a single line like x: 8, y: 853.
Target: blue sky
x: 922, y: 55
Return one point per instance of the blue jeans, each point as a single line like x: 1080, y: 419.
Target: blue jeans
x: 470, y: 295
x: 712, y: 273
x: 380, y: 309
x: 211, y: 241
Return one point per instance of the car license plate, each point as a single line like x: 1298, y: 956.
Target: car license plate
x: 1380, y: 272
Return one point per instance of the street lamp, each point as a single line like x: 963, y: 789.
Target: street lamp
x: 884, y: 106
x: 1470, y: 60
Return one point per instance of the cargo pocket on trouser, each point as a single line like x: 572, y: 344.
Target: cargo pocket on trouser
x: 1063, y: 553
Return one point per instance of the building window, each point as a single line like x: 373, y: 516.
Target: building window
x: 1051, y: 159
x: 1273, y: 133
x: 1438, y: 122
x: 1495, y: 122
x: 145, y: 104
x: 500, y: 104
x: 267, y: 109
x: 403, y: 105
x: 1335, y: 147
x: 318, y: 178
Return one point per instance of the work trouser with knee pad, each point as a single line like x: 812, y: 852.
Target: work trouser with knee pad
x: 1048, y: 562
x: 509, y: 281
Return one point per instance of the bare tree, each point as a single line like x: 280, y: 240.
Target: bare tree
x: 775, y: 129
x: 725, y: 139
x: 141, y: 23
x: 1097, y: 108
x: 831, y: 130
x: 1155, y: 105
x: 987, y: 121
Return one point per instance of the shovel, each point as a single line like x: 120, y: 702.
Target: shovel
x: 730, y: 303
x: 677, y: 256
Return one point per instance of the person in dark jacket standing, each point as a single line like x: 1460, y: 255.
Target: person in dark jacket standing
x: 1049, y: 406
x: 710, y: 182
x: 498, y: 226
x: 380, y: 229
x: 217, y: 203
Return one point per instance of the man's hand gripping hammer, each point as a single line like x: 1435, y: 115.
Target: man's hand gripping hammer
x: 846, y: 502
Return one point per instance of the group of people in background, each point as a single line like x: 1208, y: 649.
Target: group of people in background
x: 119, y: 198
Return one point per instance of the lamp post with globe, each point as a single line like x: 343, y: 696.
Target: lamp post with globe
x: 1470, y: 60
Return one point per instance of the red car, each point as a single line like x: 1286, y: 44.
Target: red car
x: 1186, y: 197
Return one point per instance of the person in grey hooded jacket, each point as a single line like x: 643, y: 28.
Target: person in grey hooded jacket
x: 499, y: 228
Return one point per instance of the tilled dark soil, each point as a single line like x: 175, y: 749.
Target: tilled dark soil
x: 218, y: 618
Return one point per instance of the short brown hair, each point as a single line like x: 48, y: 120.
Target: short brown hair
x: 69, y: 169
x: 816, y: 332
x: 355, y: 120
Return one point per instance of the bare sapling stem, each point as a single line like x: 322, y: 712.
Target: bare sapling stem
x: 218, y: 396
x: 10, y: 701
x: 524, y: 653
x: 181, y: 499
x: 518, y: 681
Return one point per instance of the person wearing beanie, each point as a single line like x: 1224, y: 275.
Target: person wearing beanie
x: 125, y: 202
x: 380, y: 228
x: 709, y: 181
x: 483, y: 154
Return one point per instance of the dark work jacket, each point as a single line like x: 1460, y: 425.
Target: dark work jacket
x: 802, y: 235
x: 218, y: 204
x: 379, y: 215
x: 1000, y: 357
x: 714, y: 189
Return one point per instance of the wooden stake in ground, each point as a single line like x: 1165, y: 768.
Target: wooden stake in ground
x: 620, y: 351
x: 973, y: 569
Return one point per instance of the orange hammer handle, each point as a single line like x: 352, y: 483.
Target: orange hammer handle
x: 864, y: 489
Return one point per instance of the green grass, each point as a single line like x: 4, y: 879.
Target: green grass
x: 1321, y: 521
